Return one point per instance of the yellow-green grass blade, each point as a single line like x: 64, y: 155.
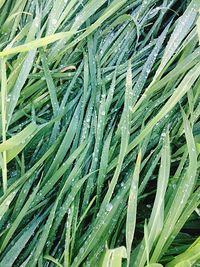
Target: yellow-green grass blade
x: 41, y: 42
x: 189, y: 257
x: 28, y: 174
x: 52, y: 259
x: 15, y: 144
x: 113, y: 257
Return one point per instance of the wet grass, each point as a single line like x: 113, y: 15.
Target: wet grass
x: 100, y: 135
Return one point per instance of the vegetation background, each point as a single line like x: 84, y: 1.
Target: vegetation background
x: 100, y: 133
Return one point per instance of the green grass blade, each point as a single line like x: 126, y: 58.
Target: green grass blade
x: 3, y: 120
x: 132, y: 208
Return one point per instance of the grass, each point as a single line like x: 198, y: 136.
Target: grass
x: 100, y: 133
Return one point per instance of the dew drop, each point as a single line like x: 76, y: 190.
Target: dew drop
x: 109, y: 207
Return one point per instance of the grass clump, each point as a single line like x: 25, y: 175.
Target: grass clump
x: 100, y: 139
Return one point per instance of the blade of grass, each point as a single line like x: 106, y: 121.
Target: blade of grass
x: 3, y: 120
x: 132, y: 208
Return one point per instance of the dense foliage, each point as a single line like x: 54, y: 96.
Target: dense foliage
x: 100, y: 133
